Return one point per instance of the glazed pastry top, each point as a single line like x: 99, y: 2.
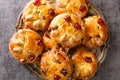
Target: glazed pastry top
x: 26, y: 45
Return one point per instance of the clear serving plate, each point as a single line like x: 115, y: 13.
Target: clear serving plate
x: 101, y: 52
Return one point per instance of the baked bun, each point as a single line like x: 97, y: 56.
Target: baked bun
x: 49, y: 43
x: 79, y: 7
x: 67, y: 29
x: 96, y: 32
x: 26, y: 45
x: 38, y: 14
x: 55, y: 65
x: 85, y: 64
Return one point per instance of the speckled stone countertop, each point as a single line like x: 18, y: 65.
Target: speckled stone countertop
x: 10, y: 69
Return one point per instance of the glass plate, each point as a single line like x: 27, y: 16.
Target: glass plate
x: 101, y: 52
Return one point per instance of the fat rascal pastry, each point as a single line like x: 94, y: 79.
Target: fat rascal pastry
x: 85, y: 64
x: 96, y: 32
x: 26, y: 45
x: 79, y: 7
x: 55, y: 65
x: 37, y: 14
x: 49, y: 43
x: 67, y: 30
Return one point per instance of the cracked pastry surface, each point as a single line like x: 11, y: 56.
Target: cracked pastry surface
x: 55, y: 65
x: 85, y: 64
x: 96, y: 32
x: 79, y: 7
x: 67, y: 30
x: 26, y: 45
x: 37, y: 14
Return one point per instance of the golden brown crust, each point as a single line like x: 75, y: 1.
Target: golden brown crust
x: 26, y: 45
x: 48, y: 42
x: 67, y: 30
x: 63, y: 26
x: 38, y: 17
x: 96, y: 32
x: 85, y: 64
x: 79, y: 7
x: 47, y: 1
x: 55, y: 64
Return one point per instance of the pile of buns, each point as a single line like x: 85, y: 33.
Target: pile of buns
x: 57, y: 35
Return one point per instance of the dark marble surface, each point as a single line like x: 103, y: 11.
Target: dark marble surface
x: 10, y: 69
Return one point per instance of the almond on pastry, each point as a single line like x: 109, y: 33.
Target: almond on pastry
x: 79, y: 7
x: 26, y: 45
x: 37, y: 14
x: 55, y: 65
x: 84, y: 64
x: 67, y: 29
x: 96, y: 32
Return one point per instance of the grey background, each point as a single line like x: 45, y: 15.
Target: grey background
x: 10, y: 69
